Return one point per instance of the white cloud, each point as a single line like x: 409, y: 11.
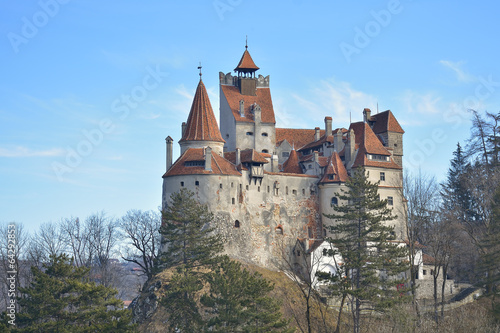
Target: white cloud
x: 414, y: 102
x: 20, y: 151
x: 332, y: 98
x: 457, y: 68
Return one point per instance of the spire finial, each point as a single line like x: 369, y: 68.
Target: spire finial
x: 199, y: 67
x: 246, y: 42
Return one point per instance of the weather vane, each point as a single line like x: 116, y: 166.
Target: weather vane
x: 199, y: 67
x: 246, y: 42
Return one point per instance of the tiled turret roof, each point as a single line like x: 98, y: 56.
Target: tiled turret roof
x: 335, y: 170
x: 201, y: 124
x: 291, y: 165
x: 220, y: 165
x: 246, y: 63
x: 385, y: 122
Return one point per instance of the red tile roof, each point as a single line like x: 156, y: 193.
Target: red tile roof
x: 427, y: 259
x: 246, y: 63
x: 220, y: 166
x: 385, y: 122
x: 201, y: 124
x: 291, y: 165
x: 322, y: 160
x: 334, y: 168
x: 296, y: 137
x: 320, y: 142
x: 252, y: 156
x: 369, y: 144
x: 263, y: 98
x: 247, y: 156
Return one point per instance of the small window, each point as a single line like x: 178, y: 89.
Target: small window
x: 247, y: 187
x: 258, y: 188
x: 232, y: 184
x: 236, y: 224
x: 233, y: 201
x: 382, y: 176
x: 268, y: 189
x: 390, y: 201
x: 285, y: 154
x: 309, y: 166
x: 182, y: 184
x: 324, y: 232
x: 395, y: 145
x: 265, y: 151
x: 334, y: 202
x: 298, y: 253
x: 264, y: 134
x: 286, y: 189
x: 294, y: 192
x: 424, y: 272
x: 249, y: 133
x: 197, y: 183
x: 303, y: 191
x: 220, y: 185
x: 278, y: 231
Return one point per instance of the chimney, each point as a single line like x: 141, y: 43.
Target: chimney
x: 367, y: 115
x: 274, y: 163
x: 208, y: 159
x: 328, y: 126
x: 169, y: 141
x: 316, y: 134
x: 238, y: 157
x: 351, y: 145
x: 337, y: 141
x: 184, y: 126
x: 316, y: 157
x: 242, y: 108
x: 257, y: 113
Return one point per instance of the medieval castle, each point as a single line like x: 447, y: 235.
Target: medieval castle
x: 269, y: 186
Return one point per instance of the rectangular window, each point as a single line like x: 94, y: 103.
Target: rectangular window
x: 220, y: 185
x: 382, y: 176
x: 182, y: 184
x: 268, y: 189
x: 197, y: 183
x: 233, y: 201
x: 390, y: 201
x: 232, y: 184
x: 285, y: 154
x: 258, y: 188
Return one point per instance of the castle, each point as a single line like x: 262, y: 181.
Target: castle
x: 267, y: 186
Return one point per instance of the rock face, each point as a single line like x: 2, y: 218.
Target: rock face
x: 145, y: 305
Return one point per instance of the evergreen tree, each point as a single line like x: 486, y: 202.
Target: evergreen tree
x: 190, y: 245
x: 187, y: 234
x: 239, y: 301
x: 490, y: 255
x: 60, y: 300
x: 455, y: 193
x: 371, y: 261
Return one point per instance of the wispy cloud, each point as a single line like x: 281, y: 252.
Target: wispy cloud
x: 456, y: 67
x: 336, y: 99
x: 426, y: 103
x: 20, y: 151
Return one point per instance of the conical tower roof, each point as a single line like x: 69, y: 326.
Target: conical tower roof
x: 246, y: 63
x: 201, y: 124
x: 291, y: 165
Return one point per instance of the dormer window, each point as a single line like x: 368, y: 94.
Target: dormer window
x: 194, y: 163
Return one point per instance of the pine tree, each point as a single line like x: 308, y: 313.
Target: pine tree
x: 61, y: 300
x: 490, y: 254
x: 239, y: 301
x: 371, y: 260
x: 189, y: 245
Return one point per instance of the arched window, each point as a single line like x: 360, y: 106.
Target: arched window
x: 278, y: 230
x: 236, y: 224
x: 334, y: 201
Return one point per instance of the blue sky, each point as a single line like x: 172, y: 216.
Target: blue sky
x: 73, y: 141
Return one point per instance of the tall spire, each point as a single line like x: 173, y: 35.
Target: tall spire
x: 201, y: 124
x: 246, y: 64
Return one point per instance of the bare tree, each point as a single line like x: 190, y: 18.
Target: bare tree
x: 102, y: 236
x: 141, y: 230
x: 50, y: 240
x: 77, y: 238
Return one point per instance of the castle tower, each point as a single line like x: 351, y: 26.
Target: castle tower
x: 201, y: 129
x: 246, y: 109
